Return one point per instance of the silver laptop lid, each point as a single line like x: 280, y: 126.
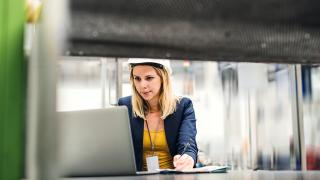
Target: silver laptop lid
x: 95, y: 143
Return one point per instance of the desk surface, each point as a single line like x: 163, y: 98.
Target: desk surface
x: 248, y: 175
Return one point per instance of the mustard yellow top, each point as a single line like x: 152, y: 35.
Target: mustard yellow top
x: 161, y: 149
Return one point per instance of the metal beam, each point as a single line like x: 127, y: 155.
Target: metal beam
x: 286, y: 31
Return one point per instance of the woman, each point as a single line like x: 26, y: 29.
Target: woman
x: 162, y: 125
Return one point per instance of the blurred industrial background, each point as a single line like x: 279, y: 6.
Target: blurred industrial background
x: 251, y: 68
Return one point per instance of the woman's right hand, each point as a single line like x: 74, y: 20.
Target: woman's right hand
x: 183, y: 162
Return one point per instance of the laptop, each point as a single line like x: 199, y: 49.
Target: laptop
x: 96, y: 143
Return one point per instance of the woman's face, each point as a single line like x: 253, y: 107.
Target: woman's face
x: 147, y: 82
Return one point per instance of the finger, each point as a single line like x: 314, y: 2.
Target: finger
x: 176, y: 159
x: 181, y: 162
x: 178, y: 162
x: 179, y: 167
x: 188, y: 159
x: 183, y: 166
x: 185, y: 163
x: 182, y: 158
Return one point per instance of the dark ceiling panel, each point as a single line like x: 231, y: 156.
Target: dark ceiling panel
x: 221, y: 30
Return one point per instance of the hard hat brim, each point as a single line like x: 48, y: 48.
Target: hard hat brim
x: 157, y: 65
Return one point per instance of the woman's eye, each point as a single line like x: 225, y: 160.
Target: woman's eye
x: 137, y: 78
x: 149, y: 78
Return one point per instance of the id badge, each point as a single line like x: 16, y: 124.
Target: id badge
x: 152, y: 163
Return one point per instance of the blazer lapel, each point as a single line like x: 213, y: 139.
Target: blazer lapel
x: 139, y: 131
x: 169, y: 127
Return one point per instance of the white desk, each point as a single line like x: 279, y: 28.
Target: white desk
x: 247, y: 175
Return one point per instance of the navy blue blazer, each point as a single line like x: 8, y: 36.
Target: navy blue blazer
x: 180, y: 128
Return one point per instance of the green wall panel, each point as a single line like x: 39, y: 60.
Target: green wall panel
x: 12, y: 89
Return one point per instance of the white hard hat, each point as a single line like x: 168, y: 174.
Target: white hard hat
x: 159, y: 63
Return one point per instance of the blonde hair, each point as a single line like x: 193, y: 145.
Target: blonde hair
x: 167, y: 100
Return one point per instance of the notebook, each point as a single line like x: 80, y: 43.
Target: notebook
x: 205, y: 169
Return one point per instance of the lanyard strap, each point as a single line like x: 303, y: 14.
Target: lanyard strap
x: 154, y: 138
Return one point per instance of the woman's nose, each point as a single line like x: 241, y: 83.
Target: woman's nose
x: 144, y: 84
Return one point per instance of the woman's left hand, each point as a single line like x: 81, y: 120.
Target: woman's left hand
x: 183, y: 162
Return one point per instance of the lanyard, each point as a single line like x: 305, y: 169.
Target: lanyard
x: 154, y: 138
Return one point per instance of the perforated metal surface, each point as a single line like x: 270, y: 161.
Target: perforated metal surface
x: 220, y: 30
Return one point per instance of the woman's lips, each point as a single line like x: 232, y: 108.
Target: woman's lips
x: 146, y: 93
